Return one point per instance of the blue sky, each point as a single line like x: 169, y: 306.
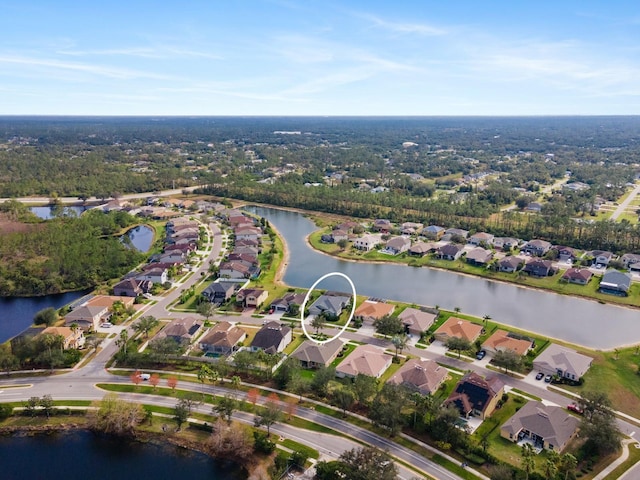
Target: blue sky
x: 284, y: 57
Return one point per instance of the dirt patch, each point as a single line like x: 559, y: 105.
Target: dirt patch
x: 10, y: 226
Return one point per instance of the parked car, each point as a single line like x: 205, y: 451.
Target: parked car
x: 575, y: 408
x: 548, y: 378
x: 481, y: 354
x: 144, y: 376
x: 106, y: 325
x: 539, y: 376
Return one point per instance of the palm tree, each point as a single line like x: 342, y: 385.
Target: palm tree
x: 527, y: 462
x: 145, y: 325
x: 203, y: 374
x: 399, y: 342
x: 122, y: 341
x: 235, y: 382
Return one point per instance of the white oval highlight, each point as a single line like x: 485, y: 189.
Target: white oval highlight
x: 306, y: 299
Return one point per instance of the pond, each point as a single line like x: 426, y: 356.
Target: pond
x: 141, y: 237
x: 46, y: 212
x: 82, y: 454
x: 577, y: 320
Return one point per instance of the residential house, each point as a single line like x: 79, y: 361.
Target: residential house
x: 252, y: 297
x: 245, y: 258
x: 366, y: 360
x: 247, y: 243
x: 565, y: 253
x: 457, y: 232
x: 581, y: 276
x: 615, y: 283
x: 338, y: 235
x: 536, y: 247
x: 630, y: 259
x: 481, y: 238
x: 539, y: 268
x: 420, y: 249
x: 510, y: 264
x: 182, y: 330
x: 347, y: 226
x: 219, y: 292
x: 238, y: 270
x: 366, y: 242
x: 450, y: 251
x: 502, y: 341
x: 154, y: 275
x: 479, y: 257
x: 476, y: 396
x: 415, y: 321
x: 457, y: 327
x: 131, y: 287
x: 534, y: 207
x: 283, y: 304
x: 433, y: 232
x: 382, y: 225
x: 505, y: 243
x: 173, y: 256
x: 369, y: 311
x: 223, y: 339
x: 420, y: 375
x: 330, y: 302
x: 248, y: 233
x: 185, y: 249
x: 547, y: 426
x: 87, y: 317
x: 71, y: 338
x: 601, y: 258
x: 411, y: 228
x: 562, y: 361
x: 272, y: 338
x: 246, y: 249
x: 108, y: 301
x: 312, y: 355
x: 397, y: 245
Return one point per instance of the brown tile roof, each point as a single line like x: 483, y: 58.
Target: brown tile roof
x: 223, y: 334
x: 374, y: 310
x: 457, y: 327
x: 365, y: 359
x: 425, y: 376
x: 500, y: 341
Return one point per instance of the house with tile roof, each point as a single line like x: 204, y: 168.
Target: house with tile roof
x: 547, y: 426
x: 502, y: 341
x: 420, y: 249
x: 479, y: 256
x: 331, y: 303
x: 366, y: 360
x: 397, y: 245
x: 366, y: 242
x: 562, y: 361
x: 457, y: 327
x: 182, y: 330
x: 450, y: 251
x: 480, y: 238
x: 420, y: 375
x: 536, y: 247
x: 312, y: 355
x: 415, y: 321
x: 87, y: 317
x: 475, y: 395
x: 370, y: 310
x: 252, y: 297
x: 223, y: 339
x: 510, y: 264
x: 580, y: 276
x: 284, y: 303
x: 71, y: 338
x: 272, y: 338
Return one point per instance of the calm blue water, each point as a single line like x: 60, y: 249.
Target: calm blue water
x: 581, y: 321
x: 81, y: 455
x: 141, y: 237
x: 46, y: 211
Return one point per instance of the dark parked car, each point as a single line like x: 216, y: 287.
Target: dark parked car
x: 548, y: 378
x: 481, y: 354
x: 539, y: 376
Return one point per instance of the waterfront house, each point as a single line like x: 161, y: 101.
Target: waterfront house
x: 331, y: 303
x: 419, y: 249
x: 580, y: 276
x: 457, y: 327
x: 415, y: 321
x: 366, y: 242
x: 539, y: 268
x: 397, y: 245
x: 547, y: 426
x: 370, y: 311
x: 450, y: 251
x: 615, y: 283
x: 479, y: 257
x: 476, y: 396
x: 364, y: 360
x: 502, y: 341
x: 420, y: 375
x: 510, y: 264
x: 562, y: 361
x: 87, y: 317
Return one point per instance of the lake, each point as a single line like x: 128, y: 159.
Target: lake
x: 576, y: 320
x: 141, y: 237
x: 81, y: 454
x: 46, y: 212
x: 16, y: 313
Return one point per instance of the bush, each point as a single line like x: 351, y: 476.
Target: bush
x: 262, y: 444
x: 5, y: 411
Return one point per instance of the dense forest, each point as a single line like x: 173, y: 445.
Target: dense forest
x: 65, y: 253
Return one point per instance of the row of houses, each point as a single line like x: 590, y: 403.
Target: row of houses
x: 242, y: 262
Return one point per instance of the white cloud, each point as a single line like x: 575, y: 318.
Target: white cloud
x: 404, y: 27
